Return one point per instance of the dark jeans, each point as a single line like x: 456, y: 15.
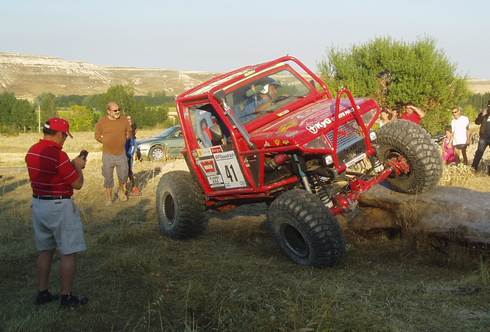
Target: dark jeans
x: 482, y: 145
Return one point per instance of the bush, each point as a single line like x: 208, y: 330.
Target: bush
x: 396, y: 73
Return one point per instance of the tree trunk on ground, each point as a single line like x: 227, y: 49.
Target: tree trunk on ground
x: 452, y: 213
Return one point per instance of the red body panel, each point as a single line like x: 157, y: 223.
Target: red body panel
x: 288, y: 129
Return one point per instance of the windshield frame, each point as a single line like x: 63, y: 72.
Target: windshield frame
x: 167, y: 132
x: 266, y: 75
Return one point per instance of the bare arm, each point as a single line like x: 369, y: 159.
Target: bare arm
x: 129, y: 131
x: 79, y: 164
x: 417, y: 110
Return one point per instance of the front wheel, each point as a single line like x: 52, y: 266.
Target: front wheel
x: 180, y: 206
x: 157, y: 153
x: 402, y: 138
x: 305, y: 229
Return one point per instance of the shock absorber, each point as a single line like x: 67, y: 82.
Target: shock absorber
x: 301, y: 173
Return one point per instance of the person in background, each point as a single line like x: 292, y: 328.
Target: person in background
x: 55, y: 218
x: 483, y: 119
x: 386, y: 115
x: 460, y: 125
x: 449, y: 155
x: 130, y: 152
x: 412, y: 113
x: 113, y: 131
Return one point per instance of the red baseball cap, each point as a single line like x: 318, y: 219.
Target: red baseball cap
x: 58, y: 124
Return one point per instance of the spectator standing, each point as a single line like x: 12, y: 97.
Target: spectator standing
x: 130, y: 152
x: 113, y: 131
x: 448, y: 152
x: 386, y: 116
x: 412, y: 113
x: 383, y: 118
x: 460, y: 127
x: 55, y: 218
x: 483, y: 119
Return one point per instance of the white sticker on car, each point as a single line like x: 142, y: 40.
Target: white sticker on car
x: 215, y: 181
x: 230, y: 170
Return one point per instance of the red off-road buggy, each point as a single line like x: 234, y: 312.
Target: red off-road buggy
x: 273, y: 133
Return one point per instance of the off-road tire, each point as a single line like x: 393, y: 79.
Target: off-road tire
x: 405, y: 138
x: 161, y: 150
x: 180, y: 206
x: 305, y: 229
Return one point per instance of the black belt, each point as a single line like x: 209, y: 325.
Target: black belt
x: 51, y: 197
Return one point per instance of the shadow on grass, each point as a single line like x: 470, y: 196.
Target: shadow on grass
x: 134, y: 214
x: 11, y: 186
x: 142, y: 178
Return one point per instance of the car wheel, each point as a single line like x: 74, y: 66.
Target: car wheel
x: 157, y: 153
x: 402, y: 138
x: 305, y: 229
x: 180, y: 206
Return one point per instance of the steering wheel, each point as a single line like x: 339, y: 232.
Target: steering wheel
x: 279, y: 98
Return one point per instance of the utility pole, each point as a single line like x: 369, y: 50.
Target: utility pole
x: 38, y: 118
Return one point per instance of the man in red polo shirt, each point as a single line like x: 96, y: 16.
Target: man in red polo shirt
x: 56, y: 219
x: 412, y: 113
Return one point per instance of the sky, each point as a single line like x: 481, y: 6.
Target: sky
x: 219, y: 35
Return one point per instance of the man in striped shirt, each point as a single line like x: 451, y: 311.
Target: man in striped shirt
x: 56, y: 219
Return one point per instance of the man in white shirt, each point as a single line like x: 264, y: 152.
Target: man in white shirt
x: 460, y: 125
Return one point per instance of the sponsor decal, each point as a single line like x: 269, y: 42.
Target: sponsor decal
x: 208, y: 166
x: 288, y: 125
x: 206, y: 152
x: 277, y: 142
x: 314, y: 128
x: 285, y: 142
x: 216, y: 149
x: 282, y: 113
x: 267, y: 144
x: 215, y: 181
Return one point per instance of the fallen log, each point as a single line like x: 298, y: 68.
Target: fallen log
x: 451, y: 213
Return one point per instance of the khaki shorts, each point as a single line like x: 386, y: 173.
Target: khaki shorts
x: 57, y: 224
x: 120, y: 162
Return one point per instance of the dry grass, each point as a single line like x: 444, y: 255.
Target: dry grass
x: 232, y: 278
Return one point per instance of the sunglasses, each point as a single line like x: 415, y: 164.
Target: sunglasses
x: 456, y: 112
x: 115, y: 111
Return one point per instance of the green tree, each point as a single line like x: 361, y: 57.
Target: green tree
x: 81, y: 118
x: 47, y: 103
x: 25, y: 115
x: 395, y: 73
x: 7, y: 101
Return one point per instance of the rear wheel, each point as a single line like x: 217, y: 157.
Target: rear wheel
x: 157, y: 152
x: 305, y: 229
x: 180, y: 206
x: 408, y: 140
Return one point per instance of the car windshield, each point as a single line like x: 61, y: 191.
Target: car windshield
x: 166, y: 132
x: 265, y: 95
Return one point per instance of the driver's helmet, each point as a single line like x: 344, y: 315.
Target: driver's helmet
x: 265, y: 88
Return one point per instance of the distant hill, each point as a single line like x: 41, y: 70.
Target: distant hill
x: 479, y: 86
x: 28, y: 76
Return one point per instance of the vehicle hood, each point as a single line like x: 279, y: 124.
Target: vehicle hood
x: 305, y: 124
x: 149, y: 140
